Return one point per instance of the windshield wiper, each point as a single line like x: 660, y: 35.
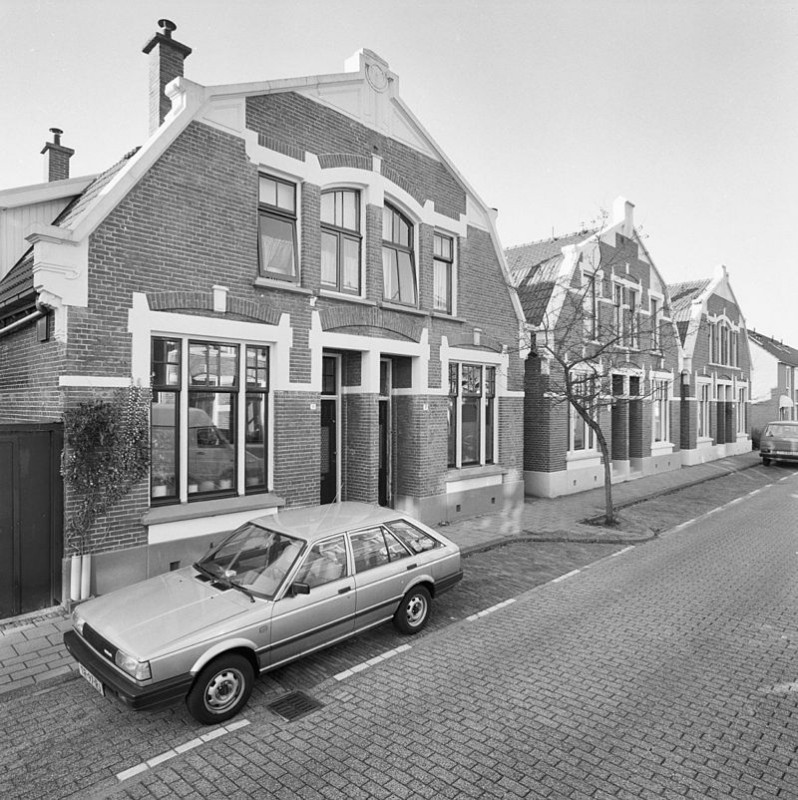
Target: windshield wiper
x: 224, y: 581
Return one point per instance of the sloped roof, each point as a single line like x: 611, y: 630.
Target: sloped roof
x: 682, y: 296
x: 535, y: 267
x: 529, y: 255
x: 782, y: 352
x: 17, y: 284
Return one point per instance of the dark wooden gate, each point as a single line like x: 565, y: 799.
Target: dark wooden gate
x: 31, y: 517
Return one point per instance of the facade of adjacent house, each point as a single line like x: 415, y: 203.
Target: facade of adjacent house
x: 597, y: 309
x: 315, y: 295
x: 716, y: 369
x: 774, y: 370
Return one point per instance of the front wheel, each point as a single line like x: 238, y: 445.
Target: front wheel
x: 766, y: 462
x: 413, y: 612
x: 221, y: 690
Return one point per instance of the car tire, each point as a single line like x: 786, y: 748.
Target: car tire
x: 414, y: 610
x: 221, y: 689
x: 766, y: 462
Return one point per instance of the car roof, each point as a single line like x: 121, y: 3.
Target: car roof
x: 316, y: 522
x: 791, y: 422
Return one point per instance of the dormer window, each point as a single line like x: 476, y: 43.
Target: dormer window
x: 340, y: 240
x: 277, y: 228
x: 398, y: 263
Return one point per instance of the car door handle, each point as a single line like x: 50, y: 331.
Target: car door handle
x: 412, y: 566
x: 344, y: 590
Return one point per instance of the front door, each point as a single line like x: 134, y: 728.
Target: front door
x: 384, y: 473
x: 328, y: 477
x: 31, y: 518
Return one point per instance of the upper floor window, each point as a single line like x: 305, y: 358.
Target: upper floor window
x: 340, y: 240
x: 443, y: 263
x: 277, y: 228
x: 655, y: 315
x: 723, y: 345
x: 626, y: 321
x: 592, y: 292
x: 398, y: 263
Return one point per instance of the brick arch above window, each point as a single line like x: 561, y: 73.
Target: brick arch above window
x: 339, y: 318
x: 203, y: 301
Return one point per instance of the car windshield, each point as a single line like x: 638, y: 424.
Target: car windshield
x: 253, y: 558
x: 782, y: 431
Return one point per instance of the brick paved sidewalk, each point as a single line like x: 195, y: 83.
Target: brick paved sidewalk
x: 31, y: 646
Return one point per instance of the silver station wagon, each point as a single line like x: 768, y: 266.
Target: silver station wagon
x: 276, y: 589
x: 779, y: 442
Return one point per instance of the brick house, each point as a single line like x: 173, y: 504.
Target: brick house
x: 597, y: 309
x: 316, y: 296
x: 716, y: 369
x: 774, y: 392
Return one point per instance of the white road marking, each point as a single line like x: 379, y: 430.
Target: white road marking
x: 567, y: 575
x: 181, y: 748
x: 348, y: 673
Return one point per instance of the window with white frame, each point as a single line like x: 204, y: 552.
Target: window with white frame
x: 625, y: 315
x: 398, y: 262
x: 742, y: 410
x: 591, y: 290
x: 277, y: 219
x: 340, y: 240
x: 723, y: 344
x: 581, y: 437
x: 704, y: 400
x: 655, y: 311
x: 660, y: 407
x: 209, y: 418
x: 471, y: 414
x: 443, y: 269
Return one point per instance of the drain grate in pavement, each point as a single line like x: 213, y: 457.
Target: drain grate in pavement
x: 295, y: 705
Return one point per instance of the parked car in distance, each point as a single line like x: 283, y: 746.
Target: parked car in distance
x: 276, y: 589
x: 779, y: 442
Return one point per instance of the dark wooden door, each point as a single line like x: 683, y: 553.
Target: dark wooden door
x: 329, y: 453
x: 31, y: 518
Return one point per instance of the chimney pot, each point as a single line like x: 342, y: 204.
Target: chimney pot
x: 166, y: 63
x: 56, y: 135
x: 168, y: 26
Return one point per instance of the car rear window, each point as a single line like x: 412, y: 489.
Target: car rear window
x: 416, y: 540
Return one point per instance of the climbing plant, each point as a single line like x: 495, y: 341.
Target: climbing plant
x: 106, y: 452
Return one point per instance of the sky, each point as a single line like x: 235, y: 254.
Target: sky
x: 550, y: 109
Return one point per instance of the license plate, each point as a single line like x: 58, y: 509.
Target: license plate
x: 91, y: 679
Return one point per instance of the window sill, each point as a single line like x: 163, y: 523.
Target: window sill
x: 582, y: 455
x: 286, y: 286
x: 405, y: 309
x: 448, y: 317
x: 477, y: 471
x: 211, y: 508
x: 347, y: 298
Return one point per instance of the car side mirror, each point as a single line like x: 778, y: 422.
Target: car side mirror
x: 299, y: 588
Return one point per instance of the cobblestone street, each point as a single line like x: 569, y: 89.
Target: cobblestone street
x: 667, y: 671
x: 660, y: 670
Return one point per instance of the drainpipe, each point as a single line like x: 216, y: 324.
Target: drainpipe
x: 41, y: 310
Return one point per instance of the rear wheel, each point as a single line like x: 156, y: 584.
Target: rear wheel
x: 221, y: 690
x: 413, y: 612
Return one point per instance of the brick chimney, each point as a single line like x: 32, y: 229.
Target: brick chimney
x: 56, y: 162
x: 166, y: 64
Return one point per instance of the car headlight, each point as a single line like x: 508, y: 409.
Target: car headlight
x: 140, y: 670
x: 78, y: 622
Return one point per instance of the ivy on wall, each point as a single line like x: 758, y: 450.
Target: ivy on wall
x: 106, y: 452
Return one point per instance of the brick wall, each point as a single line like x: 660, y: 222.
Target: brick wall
x: 30, y: 369
x: 297, y: 460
